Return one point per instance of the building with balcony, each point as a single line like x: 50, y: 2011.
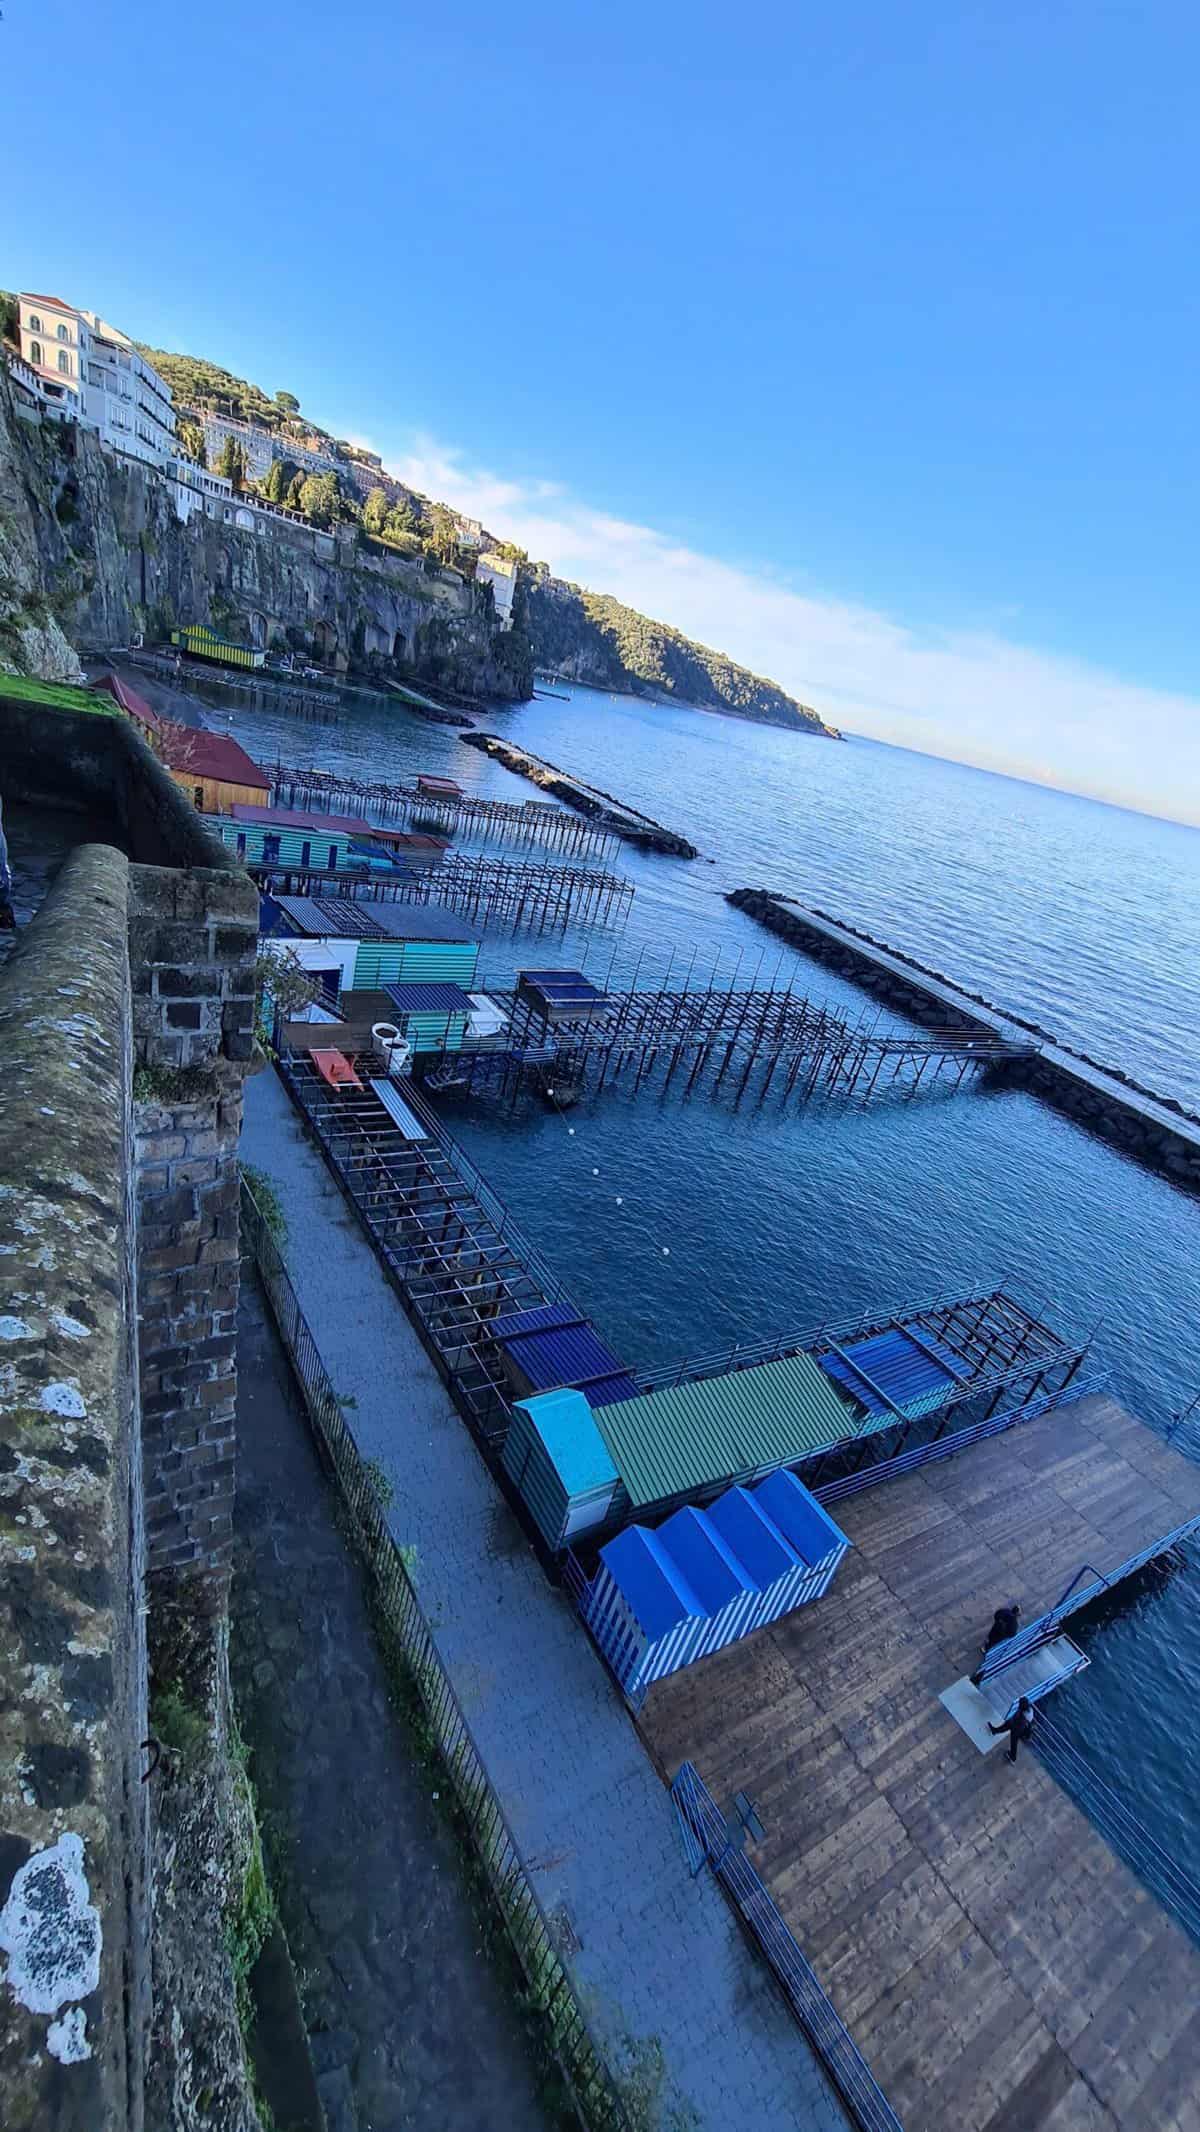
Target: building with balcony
x: 92, y: 373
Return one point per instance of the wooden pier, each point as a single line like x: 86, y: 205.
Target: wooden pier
x: 999, y: 1967
x: 491, y: 892
x: 533, y: 823
x: 746, y: 1040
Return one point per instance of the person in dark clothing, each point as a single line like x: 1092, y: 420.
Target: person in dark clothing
x: 1005, y: 1622
x: 1018, y: 1727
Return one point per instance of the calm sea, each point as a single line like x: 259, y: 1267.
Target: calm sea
x: 682, y: 1226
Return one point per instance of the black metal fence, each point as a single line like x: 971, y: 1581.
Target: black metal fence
x: 593, y: 2085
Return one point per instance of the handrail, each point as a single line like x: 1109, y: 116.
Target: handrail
x: 1120, y: 1827
x: 706, y: 1837
x: 1045, y: 1628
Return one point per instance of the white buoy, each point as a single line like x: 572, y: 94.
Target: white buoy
x: 620, y: 1201
x: 571, y: 1131
x: 595, y: 1173
x: 666, y: 1251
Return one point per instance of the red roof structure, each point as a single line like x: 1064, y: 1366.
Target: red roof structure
x: 205, y: 754
x: 296, y: 818
x: 137, y: 707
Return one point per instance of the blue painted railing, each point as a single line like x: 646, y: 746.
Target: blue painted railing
x: 1143, y: 1854
x: 706, y: 1838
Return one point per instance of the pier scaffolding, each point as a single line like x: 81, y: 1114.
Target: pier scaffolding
x: 449, y: 1244
x: 566, y: 1037
x: 521, y: 894
x: 920, y: 1382
x: 534, y: 822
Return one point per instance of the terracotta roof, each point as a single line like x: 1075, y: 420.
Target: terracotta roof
x: 194, y: 748
x: 52, y: 303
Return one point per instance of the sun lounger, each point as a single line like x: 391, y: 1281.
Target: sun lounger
x: 335, y: 1069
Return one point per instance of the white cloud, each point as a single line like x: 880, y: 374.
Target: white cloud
x: 978, y: 697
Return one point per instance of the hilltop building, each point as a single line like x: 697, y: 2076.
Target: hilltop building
x: 97, y: 377
x: 501, y: 574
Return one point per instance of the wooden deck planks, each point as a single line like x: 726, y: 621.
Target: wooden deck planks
x: 1000, y: 1968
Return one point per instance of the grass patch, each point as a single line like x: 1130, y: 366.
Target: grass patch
x: 59, y: 696
x: 269, y: 1204
x: 178, y: 1725
x: 171, y: 1084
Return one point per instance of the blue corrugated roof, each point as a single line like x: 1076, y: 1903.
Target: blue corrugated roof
x: 708, y: 1563
x: 429, y: 998
x: 564, y: 1422
x: 562, y: 987
x: 890, y: 1370
x: 552, y: 1345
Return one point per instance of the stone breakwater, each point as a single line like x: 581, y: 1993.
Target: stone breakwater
x: 1155, y: 1130
x: 601, y: 807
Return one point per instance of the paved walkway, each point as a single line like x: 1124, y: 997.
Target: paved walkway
x: 662, y: 1966
x: 411, y: 2027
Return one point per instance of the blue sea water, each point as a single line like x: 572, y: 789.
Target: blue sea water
x: 685, y: 1225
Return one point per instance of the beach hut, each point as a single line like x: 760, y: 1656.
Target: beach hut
x: 662, y: 1599
x: 430, y: 1017
x: 392, y: 943
x: 557, y: 1461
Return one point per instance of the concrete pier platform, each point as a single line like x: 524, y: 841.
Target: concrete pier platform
x: 998, y: 1966
x: 1154, y: 1129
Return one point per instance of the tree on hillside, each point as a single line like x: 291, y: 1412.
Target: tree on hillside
x: 375, y: 511
x: 278, y: 480
x: 10, y: 317
x: 321, y: 499
x: 231, y: 461
x: 401, y: 519
x: 191, y: 438
x: 443, y: 533
x: 287, y: 403
x: 296, y: 491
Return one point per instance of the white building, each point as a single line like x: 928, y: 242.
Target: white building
x: 92, y: 373
x: 470, y: 532
x: 501, y: 574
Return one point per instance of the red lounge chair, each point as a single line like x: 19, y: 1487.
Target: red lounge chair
x: 335, y: 1069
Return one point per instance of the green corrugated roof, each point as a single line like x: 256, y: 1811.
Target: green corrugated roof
x: 671, y: 1441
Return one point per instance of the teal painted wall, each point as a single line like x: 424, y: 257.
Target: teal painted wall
x: 321, y: 842
x: 434, y: 1032
x: 390, y: 962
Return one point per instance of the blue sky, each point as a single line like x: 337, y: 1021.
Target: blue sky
x: 863, y: 348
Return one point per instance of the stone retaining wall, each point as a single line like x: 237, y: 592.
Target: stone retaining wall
x: 73, y: 1809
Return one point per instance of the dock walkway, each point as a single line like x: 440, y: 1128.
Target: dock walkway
x: 661, y: 1964
x: 998, y: 1966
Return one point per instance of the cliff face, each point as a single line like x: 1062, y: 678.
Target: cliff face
x: 31, y: 555
x: 99, y: 537
x: 589, y: 637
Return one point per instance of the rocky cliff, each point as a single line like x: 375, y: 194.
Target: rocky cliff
x: 590, y: 637
x: 92, y: 552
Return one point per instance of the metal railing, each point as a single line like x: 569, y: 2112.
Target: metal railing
x: 925, y: 1454
x: 1120, y: 1827
x: 1045, y: 1628
x: 706, y: 1838
x: 551, y: 1988
x: 747, y: 1354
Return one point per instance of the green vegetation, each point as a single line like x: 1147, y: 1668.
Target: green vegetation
x: 191, y: 438
x: 231, y: 461
x: 60, y: 696
x: 381, y: 1483
x: 171, y: 1084
x: 268, y: 1202
x: 178, y: 1725
x: 202, y: 384
x: 621, y: 649
x: 10, y: 317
